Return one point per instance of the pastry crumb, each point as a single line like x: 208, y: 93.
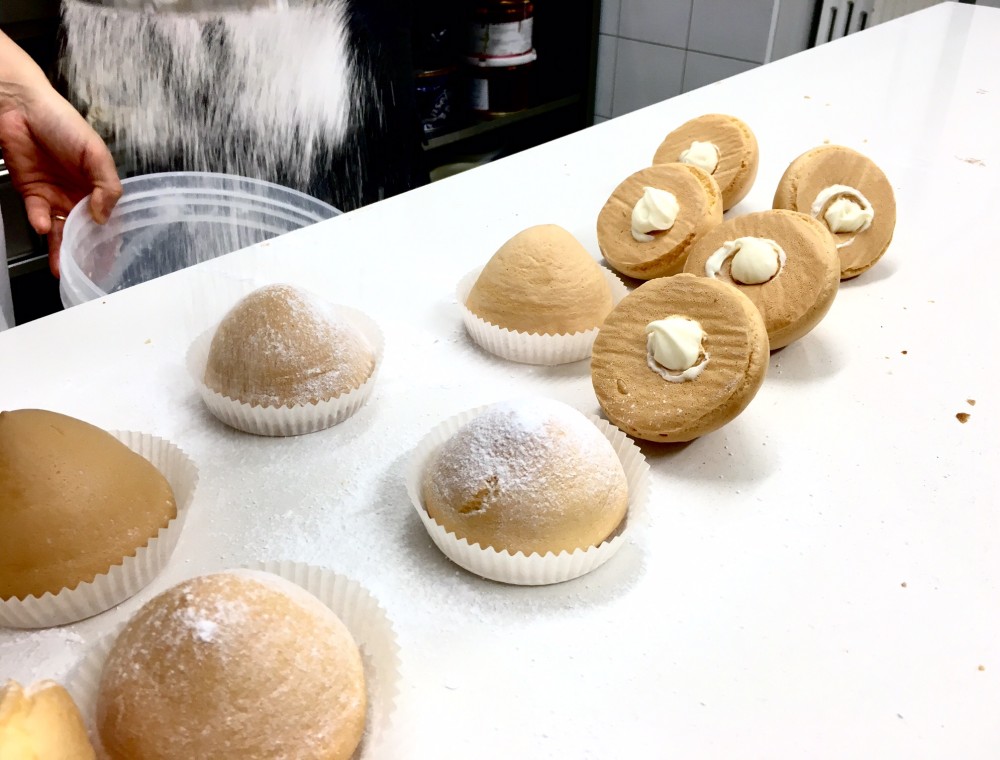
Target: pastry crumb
x: 904, y: 352
x: 826, y: 140
x: 963, y: 417
x: 981, y: 668
x: 903, y: 584
x: 147, y: 341
x: 808, y: 97
x: 973, y: 161
x: 970, y: 401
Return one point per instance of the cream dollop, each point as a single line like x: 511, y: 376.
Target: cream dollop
x: 704, y: 155
x: 849, y: 212
x: 755, y: 260
x: 656, y: 211
x: 675, y: 344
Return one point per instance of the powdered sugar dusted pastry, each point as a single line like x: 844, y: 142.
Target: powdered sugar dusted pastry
x: 723, y: 146
x: 531, y: 475
x: 233, y: 665
x: 280, y: 346
x: 679, y: 357
x: 850, y: 195
x: 651, y: 220
x: 783, y: 261
x: 542, y: 281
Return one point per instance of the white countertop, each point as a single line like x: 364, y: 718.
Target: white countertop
x: 820, y: 578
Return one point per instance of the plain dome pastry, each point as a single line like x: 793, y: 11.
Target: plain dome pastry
x: 280, y: 346
x: 237, y: 665
x: 783, y: 261
x: 531, y: 475
x: 679, y: 357
x: 542, y: 281
x: 722, y: 145
x: 41, y: 723
x: 652, y: 219
x: 850, y: 195
x: 74, y: 501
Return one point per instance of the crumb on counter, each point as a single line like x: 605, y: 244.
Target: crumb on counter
x: 962, y: 417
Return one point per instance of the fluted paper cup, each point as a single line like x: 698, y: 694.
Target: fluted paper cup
x: 297, y: 419
x: 133, y: 573
x: 534, y: 569
x: 530, y: 348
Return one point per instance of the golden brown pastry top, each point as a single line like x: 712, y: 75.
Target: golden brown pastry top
x: 798, y: 297
x: 700, y: 209
x: 530, y: 475
x: 232, y: 665
x: 280, y: 346
x: 542, y: 281
x: 739, y: 156
x: 41, y: 723
x: 73, y: 502
x: 828, y: 165
x: 640, y: 401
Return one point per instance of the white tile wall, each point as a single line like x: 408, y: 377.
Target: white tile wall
x: 734, y: 29
x: 607, y: 52
x: 651, y: 50
x: 645, y: 74
x: 664, y: 22
x: 702, y: 68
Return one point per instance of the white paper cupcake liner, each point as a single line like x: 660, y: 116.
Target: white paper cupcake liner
x: 360, y: 612
x: 535, y: 569
x: 134, y: 573
x: 531, y: 348
x: 288, y: 420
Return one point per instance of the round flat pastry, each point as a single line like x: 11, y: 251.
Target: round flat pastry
x: 849, y: 194
x: 723, y: 146
x: 240, y: 664
x: 679, y: 357
x: 652, y: 219
x: 783, y: 261
x: 542, y: 281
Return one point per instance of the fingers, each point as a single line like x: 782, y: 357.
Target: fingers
x: 99, y: 166
x: 55, y: 243
x: 39, y: 213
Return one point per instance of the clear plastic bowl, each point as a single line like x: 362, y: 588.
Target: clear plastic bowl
x: 166, y: 222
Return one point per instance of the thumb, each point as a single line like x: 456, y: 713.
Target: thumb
x: 39, y: 213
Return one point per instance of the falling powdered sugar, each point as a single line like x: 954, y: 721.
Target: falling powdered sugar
x: 264, y: 93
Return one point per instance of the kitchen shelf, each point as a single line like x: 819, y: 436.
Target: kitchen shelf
x: 485, y: 127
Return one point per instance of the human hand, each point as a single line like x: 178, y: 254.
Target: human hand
x: 55, y: 158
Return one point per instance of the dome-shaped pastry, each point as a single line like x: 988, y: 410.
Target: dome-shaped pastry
x: 531, y: 475
x: 234, y: 665
x: 280, y: 346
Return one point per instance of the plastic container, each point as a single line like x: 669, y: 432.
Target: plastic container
x: 166, y: 222
x: 6, y: 301
x: 499, y: 86
x: 437, y: 98
x: 501, y: 28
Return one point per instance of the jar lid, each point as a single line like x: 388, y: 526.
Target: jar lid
x: 503, y: 61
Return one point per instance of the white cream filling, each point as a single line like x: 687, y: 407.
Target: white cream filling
x: 850, y: 212
x: 755, y: 260
x: 656, y: 211
x: 674, y: 348
x: 704, y: 155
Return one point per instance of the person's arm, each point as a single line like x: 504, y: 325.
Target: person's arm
x: 55, y: 158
